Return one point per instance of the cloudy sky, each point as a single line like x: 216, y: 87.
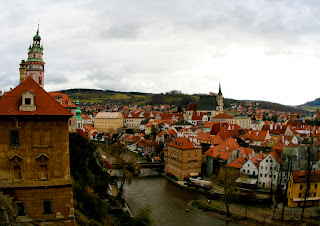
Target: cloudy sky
x: 258, y: 50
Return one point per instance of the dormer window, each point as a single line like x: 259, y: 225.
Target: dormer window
x: 27, y: 102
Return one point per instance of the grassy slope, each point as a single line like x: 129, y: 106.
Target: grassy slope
x: 99, y: 96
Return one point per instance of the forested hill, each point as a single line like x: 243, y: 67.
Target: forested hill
x: 311, y: 105
x: 172, y: 98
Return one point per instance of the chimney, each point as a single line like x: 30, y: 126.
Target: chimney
x: 10, y: 89
x: 271, y: 126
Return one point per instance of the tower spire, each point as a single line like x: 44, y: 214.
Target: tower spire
x: 220, y: 88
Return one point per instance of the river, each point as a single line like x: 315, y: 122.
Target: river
x: 168, y: 202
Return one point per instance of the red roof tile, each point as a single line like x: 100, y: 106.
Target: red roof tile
x: 182, y: 143
x: 237, y: 163
x: 46, y: 105
x: 301, y: 176
x: 65, y: 100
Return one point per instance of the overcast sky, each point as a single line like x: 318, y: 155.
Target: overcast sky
x: 258, y: 50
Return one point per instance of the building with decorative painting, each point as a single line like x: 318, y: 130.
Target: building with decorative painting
x: 34, y: 66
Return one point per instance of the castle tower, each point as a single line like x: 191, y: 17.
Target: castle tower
x: 34, y: 66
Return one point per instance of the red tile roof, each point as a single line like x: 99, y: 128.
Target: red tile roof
x: 204, y: 136
x: 257, y: 159
x: 237, y: 163
x: 223, y: 116
x: 46, y: 105
x: 65, y: 100
x: 182, y: 143
x: 223, y: 150
x: 301, y: 176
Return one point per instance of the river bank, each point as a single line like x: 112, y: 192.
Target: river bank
x: 253, y: 215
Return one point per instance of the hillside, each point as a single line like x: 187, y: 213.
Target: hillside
x: 312, y: 106
x: 171, y: 98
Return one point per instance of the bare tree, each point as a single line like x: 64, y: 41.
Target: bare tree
x: 126, y: 165
x: 307, y: 190
x: 227, y: 178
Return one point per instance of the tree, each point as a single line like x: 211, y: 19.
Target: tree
x: 227, y: 178
x: 127, y: 166
x: 307, y: 189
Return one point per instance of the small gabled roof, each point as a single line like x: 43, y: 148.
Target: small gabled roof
x: 45, y: 104
x: 257, y: 159
x: 237, y: 163
x: 65, y: 100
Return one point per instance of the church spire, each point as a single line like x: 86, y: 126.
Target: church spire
x: 220, y: 88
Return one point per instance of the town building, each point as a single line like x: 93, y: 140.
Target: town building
x: 108, y: 121
x: 34, y: 160
x: 210, y: 105
x: 183, y: 158
x: 64, y: 100
x: 269, y: 169
x: 297, y: 188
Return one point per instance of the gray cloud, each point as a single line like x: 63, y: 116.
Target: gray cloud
x: 157, y: 46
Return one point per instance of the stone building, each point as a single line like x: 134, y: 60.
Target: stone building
x: 183, y: 158
x: 34, y: 155
x: 210, y: 105
x: 108, y: 122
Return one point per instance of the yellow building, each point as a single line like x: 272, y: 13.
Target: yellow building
x: 183, y: 158
x: 108, y: 121
x: 34, y: 159
x: 297, y: 188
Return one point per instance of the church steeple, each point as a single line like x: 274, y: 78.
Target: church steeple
x: 34, y: 66
x: 220, y: 100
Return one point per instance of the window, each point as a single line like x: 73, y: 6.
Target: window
x: 14, y: 138
x: 46, y: 207
x: 315, y: 186
x: 20, y: 209
x: 299, y: 195
x: 196, y: 164
x: 265, y: 175
x: 260, y: 174
x: 301, y: 186
x: 27, y: 101
x: 188, y: 158
x: 17, y: 173
x: 248, y: 171
x: 188, y: 165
